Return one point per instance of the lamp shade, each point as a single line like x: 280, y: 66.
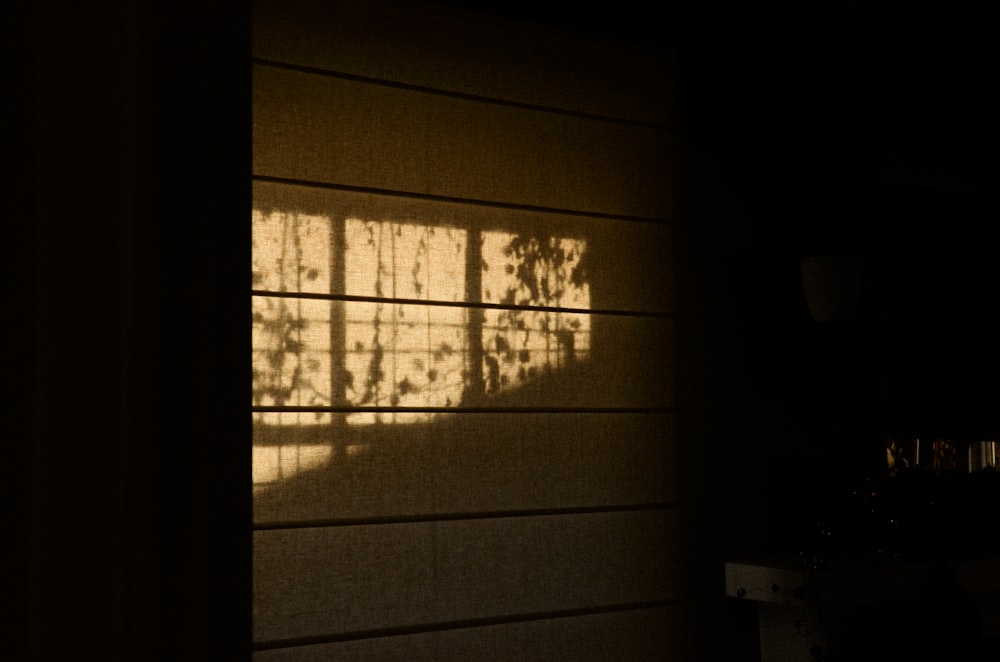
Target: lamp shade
x: 832, y: 286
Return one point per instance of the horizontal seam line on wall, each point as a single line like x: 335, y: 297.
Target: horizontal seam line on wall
x: 462, y: 410
x: 465, y: 201
x: 464, y: 624
x: 454, y: 517
x: 464, y: 96
x: 459, y: 304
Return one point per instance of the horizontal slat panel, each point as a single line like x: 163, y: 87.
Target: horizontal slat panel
x: 463, y: 463
x: 322, y: 581
x: 642, y: 634
x: 420, y: 44
x: 628, y: 263
x: 419, y: 356
x: 322, y: 129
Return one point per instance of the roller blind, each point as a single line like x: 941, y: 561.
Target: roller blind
x: 462, y: 323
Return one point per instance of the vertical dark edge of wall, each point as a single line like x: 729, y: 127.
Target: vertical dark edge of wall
x: 201, y: 169
x: 17, y: 146
x: 132, y: 458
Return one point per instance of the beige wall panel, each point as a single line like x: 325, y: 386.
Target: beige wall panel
x: 468, y: 463
x: 641, y: 634
x: 423, y: 45
x: 322, y: 581
x: 629, y: 261
x: 324, y: 129
x: 632, y: 366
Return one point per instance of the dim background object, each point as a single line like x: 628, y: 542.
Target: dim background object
x: 914, y: 611
x: 943, y: 313
x: 832, y: 285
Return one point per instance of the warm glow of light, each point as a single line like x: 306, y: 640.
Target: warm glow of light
x: 273, y: 463
x: 290, y: 253
x: 387, y: 354
x: 404, y: 260
x: 403, y: 355
x: 526, y: 344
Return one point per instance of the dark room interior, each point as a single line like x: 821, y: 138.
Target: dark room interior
x: 865, y: 132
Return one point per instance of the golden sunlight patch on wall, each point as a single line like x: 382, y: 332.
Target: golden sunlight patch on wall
x: 404, y: 355
x: 274, y: 463
x: 398, y: 321
x: 520, y: 345
x: 291, y: 347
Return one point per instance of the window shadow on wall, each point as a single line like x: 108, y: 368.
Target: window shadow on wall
x: 376, y: 323
x: 419, y: 357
